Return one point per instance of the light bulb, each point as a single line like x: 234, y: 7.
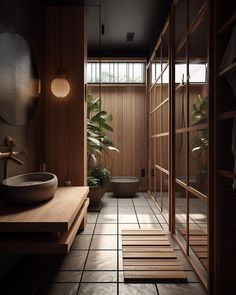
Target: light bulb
x: 60, y: 87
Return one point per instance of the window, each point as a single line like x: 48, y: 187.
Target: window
x: 116, y: 72
x: 197, y: 73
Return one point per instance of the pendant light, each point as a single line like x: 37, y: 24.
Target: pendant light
x: 60, y: 86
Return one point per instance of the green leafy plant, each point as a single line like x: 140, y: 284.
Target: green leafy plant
x: 98, y: 125
x: 99, y: 174
x: 200, y: 141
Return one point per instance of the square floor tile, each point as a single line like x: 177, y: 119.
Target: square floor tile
x: 107, y: 218
x: 92, y: 217
x: 127, y: 218
x: 143, y: 210
x: 147, y: 218
x: 126, y: 210
x: 181, y: 289
x: 81, y: 242
x: 125, y: 202
x: 89, y: 228
x: 141, y: 203
x: 98, y: 289
x: 105, y: 228
x: 57, y: 289
x: 109, y: 210
x: 101, y: 260
x: 138, y: 289
x: 104, y: 242
x: 74, y: 260
x: 62, y: 277
x: 109, y: 203
x: 99, y: 276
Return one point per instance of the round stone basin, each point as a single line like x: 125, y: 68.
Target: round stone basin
x: 31, y: 188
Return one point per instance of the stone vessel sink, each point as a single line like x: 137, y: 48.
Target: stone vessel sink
x: 31, y: 188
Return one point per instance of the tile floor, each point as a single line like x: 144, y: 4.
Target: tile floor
x: 94, y: 264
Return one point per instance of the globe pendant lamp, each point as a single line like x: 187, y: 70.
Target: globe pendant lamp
x: 60, y: 86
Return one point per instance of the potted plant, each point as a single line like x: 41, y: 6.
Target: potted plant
x: 98, y: 142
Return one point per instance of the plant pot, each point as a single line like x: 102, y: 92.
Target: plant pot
x: 95, y: 198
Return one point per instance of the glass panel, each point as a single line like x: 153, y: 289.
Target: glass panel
x: 158, y: 151
x: 180, y: 208
x: 180, y: 20
x: 165, y: 79
x: 112, y: 72
x: 198, y: 145
x: 181, y: 107
x: 165, y: 205
x: 138, y: 73
x: 157, y: 93
x: 122, y: 72
x: 105, y: 72
x: 180, y: 156
x: 157, y: 115
x: 133, y: 71
x: 165, y: 117
x: 194, y: 7
x: 165, y: 48
x: 89, y: 73
x: 165, y: 152
x: 198, y: 228
x: 181, y: 68
x: 152, y: 178
x: 158, y: 186
x: 158, y: 65
x: 198, y: 102
x: 152, y: 96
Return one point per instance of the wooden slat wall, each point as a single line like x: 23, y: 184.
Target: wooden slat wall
x: 65, y: 119
x: 127, y: 106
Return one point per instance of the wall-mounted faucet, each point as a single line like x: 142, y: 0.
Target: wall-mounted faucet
x: 10, y: 155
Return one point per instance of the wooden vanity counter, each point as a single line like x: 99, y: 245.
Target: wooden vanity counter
x: 48, y: 227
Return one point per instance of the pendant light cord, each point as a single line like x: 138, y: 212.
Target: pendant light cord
x: 60, y: 40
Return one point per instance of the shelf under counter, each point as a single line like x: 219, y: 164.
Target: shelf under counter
x: 46, y: 228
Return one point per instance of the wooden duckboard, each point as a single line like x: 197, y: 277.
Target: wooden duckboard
x: 149, y: 257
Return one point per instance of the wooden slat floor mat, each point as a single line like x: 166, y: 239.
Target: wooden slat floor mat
x: 149, y: 257
x: 198, y: 243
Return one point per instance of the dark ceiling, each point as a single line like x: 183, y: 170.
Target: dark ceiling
x: 144, y: 18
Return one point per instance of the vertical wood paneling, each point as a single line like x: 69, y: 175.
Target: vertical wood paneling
x: 65, y: 119
x: 127, y: 106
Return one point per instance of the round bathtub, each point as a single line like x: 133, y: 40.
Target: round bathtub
x: 124, y: 186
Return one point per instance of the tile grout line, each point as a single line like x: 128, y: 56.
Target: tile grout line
x: 136, y: 213
x: 153, y: 210
x: 80, y: 281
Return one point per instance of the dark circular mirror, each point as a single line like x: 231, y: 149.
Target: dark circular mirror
x: 19, y: 81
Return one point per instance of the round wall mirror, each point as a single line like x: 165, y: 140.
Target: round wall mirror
x: 19, y: 81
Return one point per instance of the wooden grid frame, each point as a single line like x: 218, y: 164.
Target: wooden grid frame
x: 172, y: 131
